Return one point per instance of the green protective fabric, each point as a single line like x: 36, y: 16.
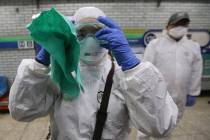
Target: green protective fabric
x: 57, y: 35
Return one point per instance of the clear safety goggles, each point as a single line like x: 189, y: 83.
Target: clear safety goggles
x: 86, y: 29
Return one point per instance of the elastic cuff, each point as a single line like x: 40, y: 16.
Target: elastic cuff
x: 131, y: 65
x: 41, y: 62
x: 39, y: 67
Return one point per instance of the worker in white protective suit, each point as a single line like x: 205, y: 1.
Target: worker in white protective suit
x: 139, y: 94
x: 179, y: 60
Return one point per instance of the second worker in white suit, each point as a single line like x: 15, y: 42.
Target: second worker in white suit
x: 179, y: 60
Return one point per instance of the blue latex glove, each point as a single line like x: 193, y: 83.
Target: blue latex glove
x: 117, y: 43
x: 43, y: 57
x: 190, y: 100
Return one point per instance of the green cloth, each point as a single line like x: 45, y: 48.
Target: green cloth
x: 58, y: 36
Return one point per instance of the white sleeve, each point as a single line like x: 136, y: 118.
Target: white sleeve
x: 149, y: 53
x: 151, y: 108
x: 32, y: 94
x: 196, y: 73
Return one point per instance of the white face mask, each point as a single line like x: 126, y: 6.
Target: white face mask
x: 178, y: 32
x: 90, y: 51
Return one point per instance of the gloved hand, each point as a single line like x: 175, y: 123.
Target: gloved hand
x: 190, y: 100
x: 117, y: 43
x: 43, y: 57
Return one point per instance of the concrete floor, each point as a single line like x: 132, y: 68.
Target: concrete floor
x: 195, y: 125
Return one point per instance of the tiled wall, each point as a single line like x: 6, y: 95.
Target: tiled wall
x: 10, y: 59
x: 15, y: 15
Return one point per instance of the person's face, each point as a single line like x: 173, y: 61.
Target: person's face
x: 90, y: 50
x: 178, y: 30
